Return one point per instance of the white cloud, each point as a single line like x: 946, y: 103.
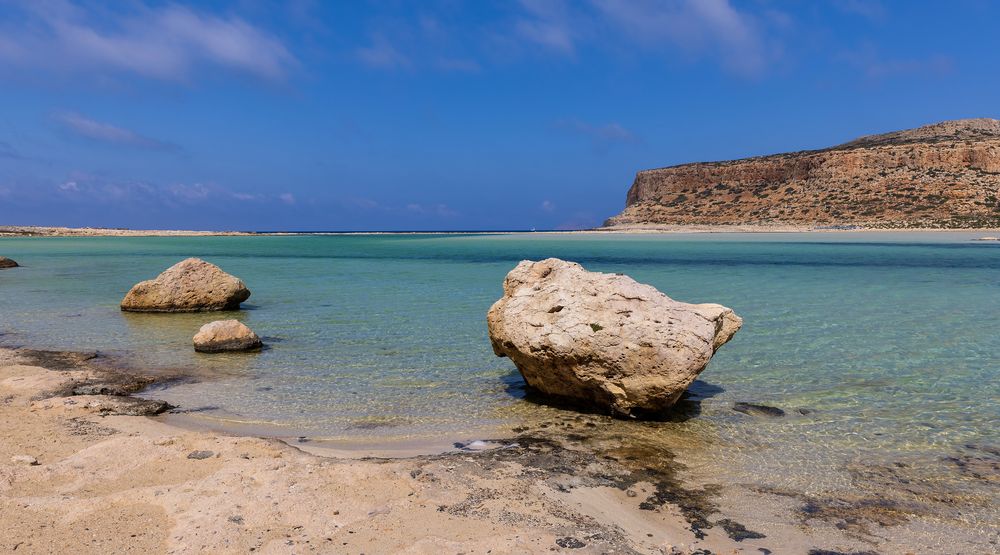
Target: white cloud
x: 195, y: 192
x: 161, y: 42
x: 96, y: 189
x: 105, y: 132
x: 547, y: 23
x: 695, y: 26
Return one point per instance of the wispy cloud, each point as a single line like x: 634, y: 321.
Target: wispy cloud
x: 434, y: 209
x: 107, y: 133
x: 547, y: 23
x: 712, y: 27
x: 457, y: 65
x: 89, y: 189
x: 8, y: 151
x: 869, y: 9
x: 414, y: 47
x: 382, y: 54
x: 875, y: 66
x: 742, y: 40
x: 601, y: 136
x: 156, y: 41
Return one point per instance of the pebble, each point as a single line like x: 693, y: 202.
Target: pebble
x: 25, y: 459
x: 198, y: 455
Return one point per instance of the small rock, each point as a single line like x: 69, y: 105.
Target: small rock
x: 101, y: 389
x: 164, y: 441
x: 108, y: 405
x: 570, y: 543
x: 225, y: 335
x: 130, y: 406
x: 199, y: 455
x: 24, y: 459
x: 7, y: 263
x: 236, y: 519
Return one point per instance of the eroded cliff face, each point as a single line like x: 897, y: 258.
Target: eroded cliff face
x: 941, y: 175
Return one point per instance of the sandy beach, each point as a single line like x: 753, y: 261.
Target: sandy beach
x: 118, y: 483
x: 81, y: 472
x: 44, y: 231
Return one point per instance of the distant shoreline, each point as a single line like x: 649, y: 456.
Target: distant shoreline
x: 46, y: 231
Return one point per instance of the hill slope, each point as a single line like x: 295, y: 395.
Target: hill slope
x: 941, y: 175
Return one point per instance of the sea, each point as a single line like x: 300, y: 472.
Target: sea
x: 881, y: 348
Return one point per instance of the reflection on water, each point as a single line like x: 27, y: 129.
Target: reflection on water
x: 886, y: 342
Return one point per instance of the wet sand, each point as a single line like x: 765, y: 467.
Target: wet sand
x: 83, y: 471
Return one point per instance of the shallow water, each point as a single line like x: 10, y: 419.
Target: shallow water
x: 890, y: 339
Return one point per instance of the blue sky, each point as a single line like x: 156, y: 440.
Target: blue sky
x: 446, y: 114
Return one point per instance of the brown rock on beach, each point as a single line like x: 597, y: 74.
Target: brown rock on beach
x: 225, y: 335
x: 191, y: 285
x: 603, y: 340
x: 7, y: 263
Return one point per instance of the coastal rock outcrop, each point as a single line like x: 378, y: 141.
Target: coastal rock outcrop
x: 603, y: 341
x: 225, y: 335
x: 7, y: 263
x: 941, y: 175
x: 191, y: 285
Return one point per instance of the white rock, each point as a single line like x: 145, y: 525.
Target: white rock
x: 603, y: 340
x: 225, y: 335
x: 24, y: 459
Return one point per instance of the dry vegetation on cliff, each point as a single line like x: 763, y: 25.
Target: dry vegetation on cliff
x: 945, y: 175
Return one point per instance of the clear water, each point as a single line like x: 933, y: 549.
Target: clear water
x: 892, y: 339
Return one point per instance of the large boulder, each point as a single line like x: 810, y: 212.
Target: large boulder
x: 7, y: 263
x: 191, y: 285
x: 603, y: 341
x: 225, y: 335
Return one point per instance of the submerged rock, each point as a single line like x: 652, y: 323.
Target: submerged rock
x: 7, y: 263
x: 191, y: 285
x: 603, y: 340
x: 225, y: 335
x: 753, y: 409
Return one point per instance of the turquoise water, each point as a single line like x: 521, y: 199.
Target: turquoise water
x: 891, y: 339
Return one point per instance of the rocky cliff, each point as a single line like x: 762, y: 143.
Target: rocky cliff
x: 941, y: 175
